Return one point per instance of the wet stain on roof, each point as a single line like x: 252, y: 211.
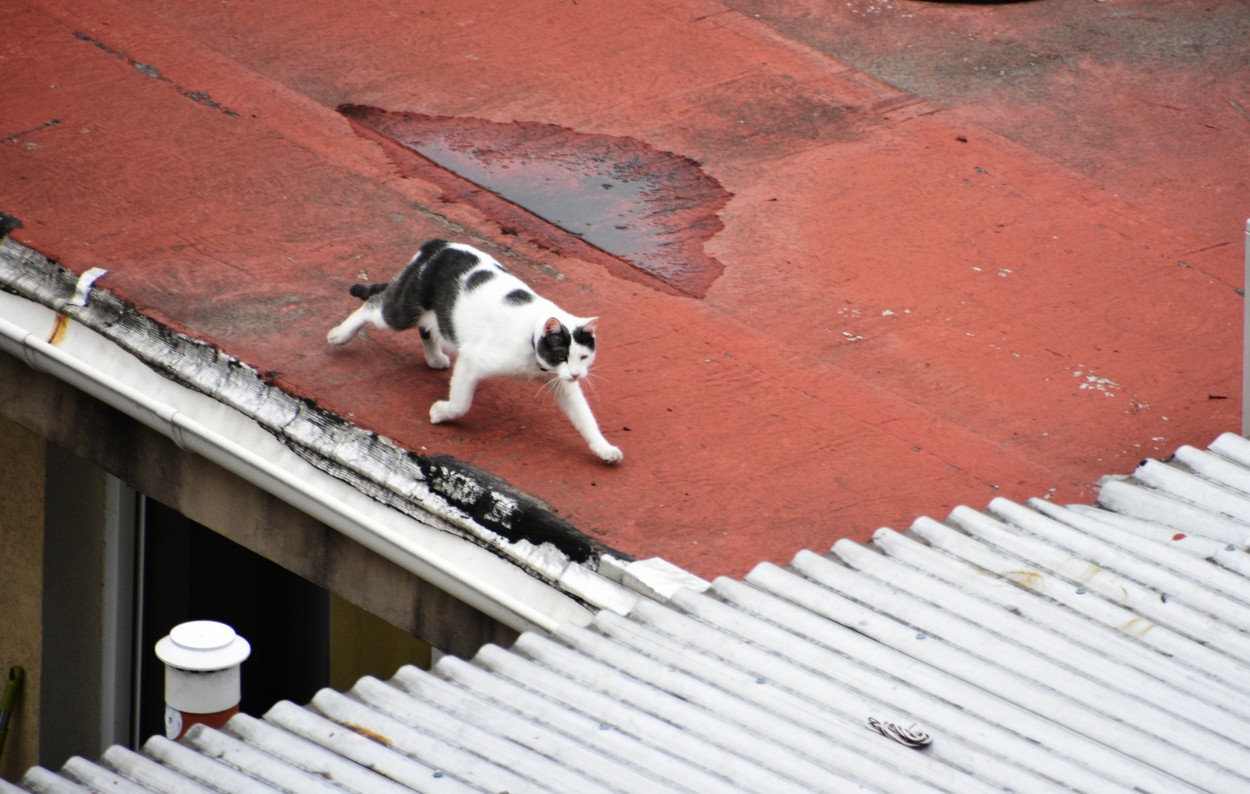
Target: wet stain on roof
x: 643, y: 213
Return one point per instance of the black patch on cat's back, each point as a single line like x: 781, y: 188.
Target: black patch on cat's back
x: 402, y: 305
x: 431, y: 282
x: 445, y: 271
x: 477, y: 278
x: 518, y: 297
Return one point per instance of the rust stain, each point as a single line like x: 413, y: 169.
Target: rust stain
x: 58, y: 330
x: 1093, y: 571
x: 368, y: 734
x: 1029, y: 579
x: 642, y: 213
x: 1137, y: 627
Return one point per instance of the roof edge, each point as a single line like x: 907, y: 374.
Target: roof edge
x: 441, y: 492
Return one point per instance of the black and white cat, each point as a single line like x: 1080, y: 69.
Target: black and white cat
x: 463, y: 301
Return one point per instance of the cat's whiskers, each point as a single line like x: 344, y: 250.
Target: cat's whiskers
x: 589, y: 379
x: 594, y: 374
x: 550, y: 385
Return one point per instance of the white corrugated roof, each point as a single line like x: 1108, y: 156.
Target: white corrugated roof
x: 1041, y: 648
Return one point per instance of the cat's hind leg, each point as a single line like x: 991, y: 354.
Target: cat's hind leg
x: 573, y: 403
x: 464, y: 380
x: 370, y: 313
x: 432, y: 344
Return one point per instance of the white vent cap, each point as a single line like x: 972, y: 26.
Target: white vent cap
x: 202, y: 645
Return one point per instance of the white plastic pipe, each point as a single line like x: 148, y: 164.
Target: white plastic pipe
x: 203, y: 676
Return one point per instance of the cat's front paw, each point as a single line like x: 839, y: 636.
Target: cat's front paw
x: 338, y: 335
x: 440, y: 361
x: 608, y: 453
x: 442, y: 411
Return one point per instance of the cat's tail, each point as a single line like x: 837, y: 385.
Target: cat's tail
x: 366, y: 291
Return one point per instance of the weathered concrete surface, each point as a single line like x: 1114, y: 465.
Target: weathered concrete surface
x: 969, y: 251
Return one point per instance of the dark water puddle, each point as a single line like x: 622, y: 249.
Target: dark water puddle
x: 643, y: 213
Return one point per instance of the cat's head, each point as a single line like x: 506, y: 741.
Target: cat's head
x: 566, y: 349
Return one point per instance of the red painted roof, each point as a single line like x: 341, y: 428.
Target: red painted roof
x: 968, y: 250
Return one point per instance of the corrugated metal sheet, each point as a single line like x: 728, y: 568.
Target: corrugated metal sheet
x: 1042, y: 648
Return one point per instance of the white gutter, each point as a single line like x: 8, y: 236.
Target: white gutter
x: 195, y: 422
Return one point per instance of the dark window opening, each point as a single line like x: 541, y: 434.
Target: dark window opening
x: 192, y: 573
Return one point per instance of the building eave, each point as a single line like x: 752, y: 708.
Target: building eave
x: 467, y: 532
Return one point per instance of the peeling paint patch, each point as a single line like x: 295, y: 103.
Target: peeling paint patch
x: 642, y: 212
x: 1093, y: 382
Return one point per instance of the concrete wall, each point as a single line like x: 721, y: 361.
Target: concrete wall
x: 21, y: 586
x: 54, y: 622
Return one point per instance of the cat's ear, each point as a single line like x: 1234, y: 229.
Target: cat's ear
x: 590, y: 325
x: 552, y: 326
